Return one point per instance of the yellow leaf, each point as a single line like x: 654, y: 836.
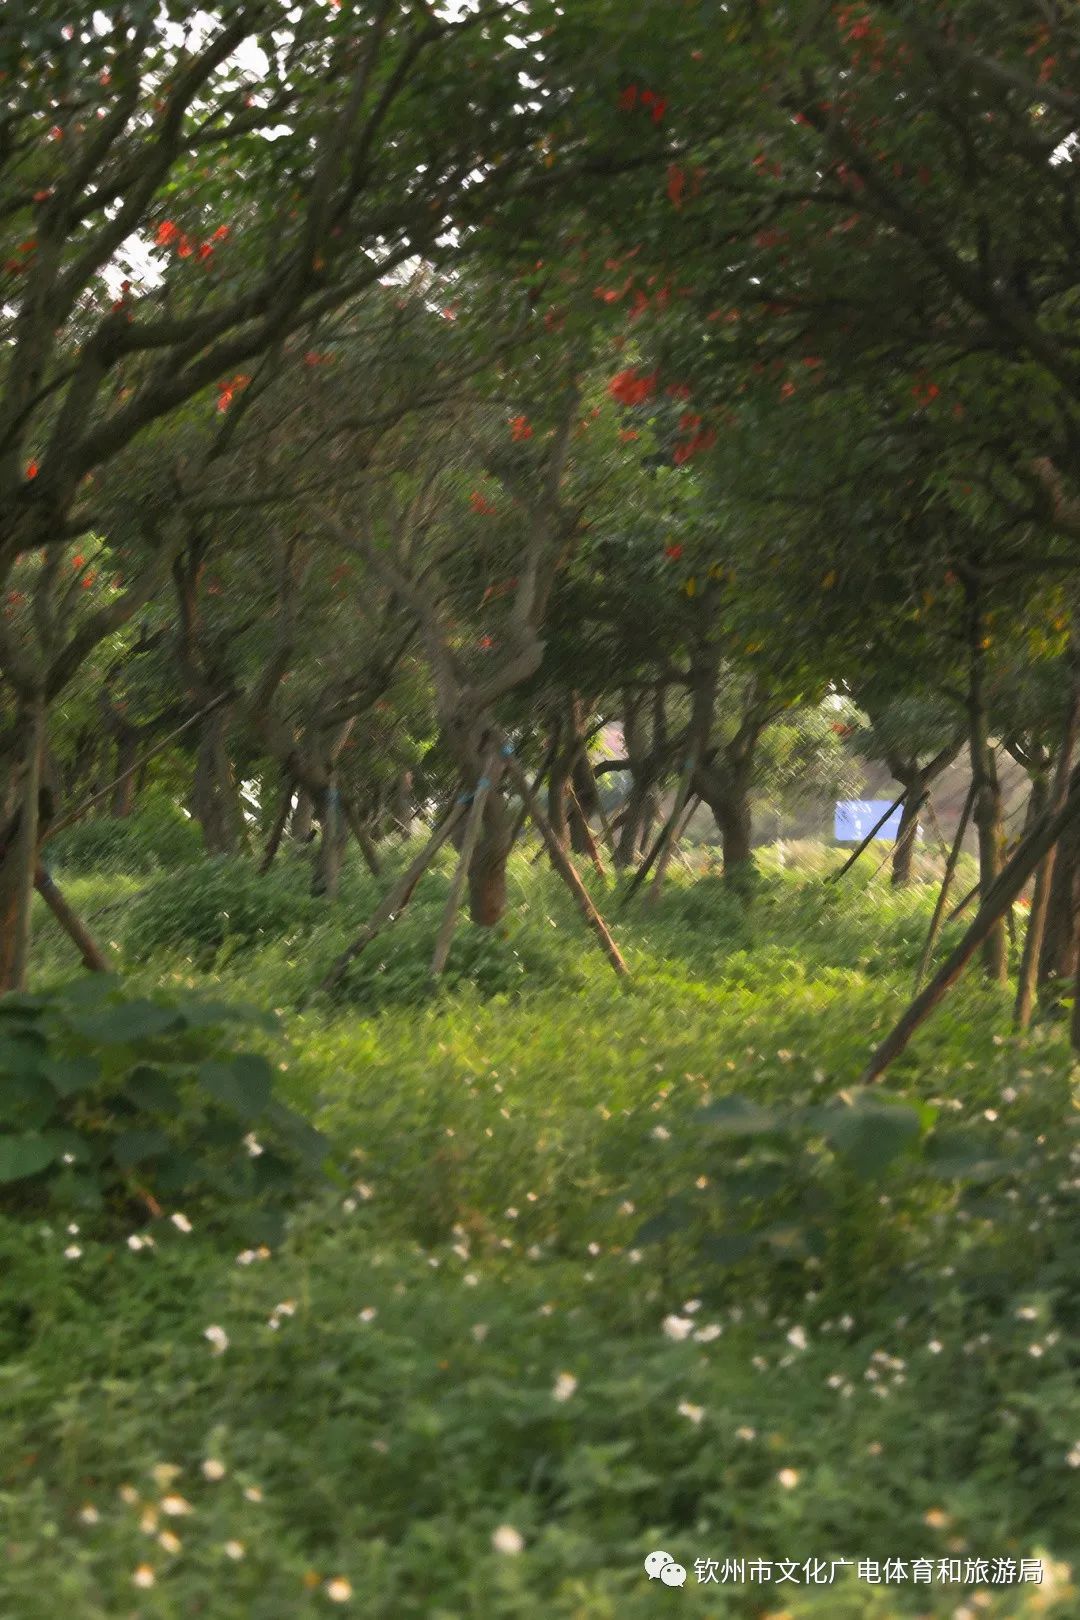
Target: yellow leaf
x: 753, y: 646
x: 829, y: 581
x: 691, y: 586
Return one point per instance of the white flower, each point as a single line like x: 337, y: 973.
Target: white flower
x: 135, y: 1242
x: 144, y: 1576
x: 235, y: 1549
x: 213, y: 1468
x: 149, y: 1520
x: 692, y: 1306
x: 338, y: 1590
x: 797, y: 1337
x: 1027, y: 1313
x: 479, y: 1331
x: 661, y: 1133
x: 348, y: 1205
x: 1073, y: 1457
x: 1035, y: 1350
x: 935, y: 1347
x: 129, y: 1494
x: 677, y: 1327
x: 565, y: 1386
x: 89, y: 1514
x: 746, y: 1433
x: 470, y: 1279
x: 73, y: 1230
x: 175, y: 1506
x: 253, y: 1493
x: 507, y: 1540
x: 171, y: 1543
x: 218, y: 1338
x: 788, y: 1478
x: 626, y: 1207
x: 511, y: 1214
x: 72, y: 1252
x: 687, y: 1409
x: 368, y: 1314
x: 253, y: 1145
x: 163, y: 1474
x: 594, y: 1248
x: 180, y: 1221
x: 706, y: 1335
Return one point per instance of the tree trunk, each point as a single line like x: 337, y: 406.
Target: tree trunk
x: 326, y: 876
x: 908, y: 830
x: 18, y: 858
x: 301, y: 825
x: 987, y: 802
x: 487, y: 868
x: 1059, y: 953
x: 122, y: 802
x: 215, y: 800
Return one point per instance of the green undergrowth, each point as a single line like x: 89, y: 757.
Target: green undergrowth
x: 479, y: 1342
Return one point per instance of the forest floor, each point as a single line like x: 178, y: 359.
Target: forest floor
x: 557, y: 1318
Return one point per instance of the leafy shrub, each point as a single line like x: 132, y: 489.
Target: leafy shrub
x: 160, y: 837
x: 494, y: 961
x: 105, y: 1098
x: 221, y: 901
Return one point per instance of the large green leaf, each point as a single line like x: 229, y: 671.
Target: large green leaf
x: 151, y: 1090
x: 126, y: 1021
x: 242, y: 1084
x: 70, y: 1075
x: 869, y: 1136
x: 735, y: 1116
x: 132, y: 1147
x: 22, y: 1156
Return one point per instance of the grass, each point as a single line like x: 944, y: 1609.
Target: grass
x: 469, y: 1346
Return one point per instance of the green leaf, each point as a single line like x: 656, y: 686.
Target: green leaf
x: 304, y: 1140
x: 735, y: 1116
x: 870, y: 1136
x: 125, y: 1022
x: 674, y: 1218
x: 20, y: 1052
x: 26, y: 1100
x: 242, y: 1084
x: 200, y: 1013
x: 728, y: 1248
x: 149, y: 1089
x: 23, y: 1156
x: 70, y: 1075
x: 132, y: 1147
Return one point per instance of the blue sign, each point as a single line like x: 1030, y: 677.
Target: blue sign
x: 855, y: 817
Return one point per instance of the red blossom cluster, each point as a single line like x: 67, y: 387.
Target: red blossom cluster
x: 630, y: 388
x: 520, y: 428
x: 630, y: 98
x: 226, y: 390
x: 169, y: 233
x: 925, y: 391
x: 479, y: 504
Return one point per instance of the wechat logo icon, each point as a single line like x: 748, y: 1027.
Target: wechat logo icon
x: 660, y: 1566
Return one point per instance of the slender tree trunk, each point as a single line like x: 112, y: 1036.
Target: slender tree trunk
x: 127, y: 753
x: 273, y: 841
x: 987, y: 803
x: 18, y: 859
x: 1059, y: 954
x: 908, y: 830
x: 303, y: 817
x: 1045, y: 797
x: 326, y: 874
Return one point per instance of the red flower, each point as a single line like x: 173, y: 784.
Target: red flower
x: 485, y: 643
x: 77, y: 562
x: 87, y: 580
x: 166, y: 232
x: 184, y: 247
x: 205, y: 250
x: 673, y: 553
x: 31, y: 469
x: 221, y: 233
x: 628, y: 98
x: 630, y: 389
x: 678, y: 391
x: 479, y: 504
x: 628, y: 435
x: 659, y: 110
x: 787, y: 390
x: 520, y: 428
